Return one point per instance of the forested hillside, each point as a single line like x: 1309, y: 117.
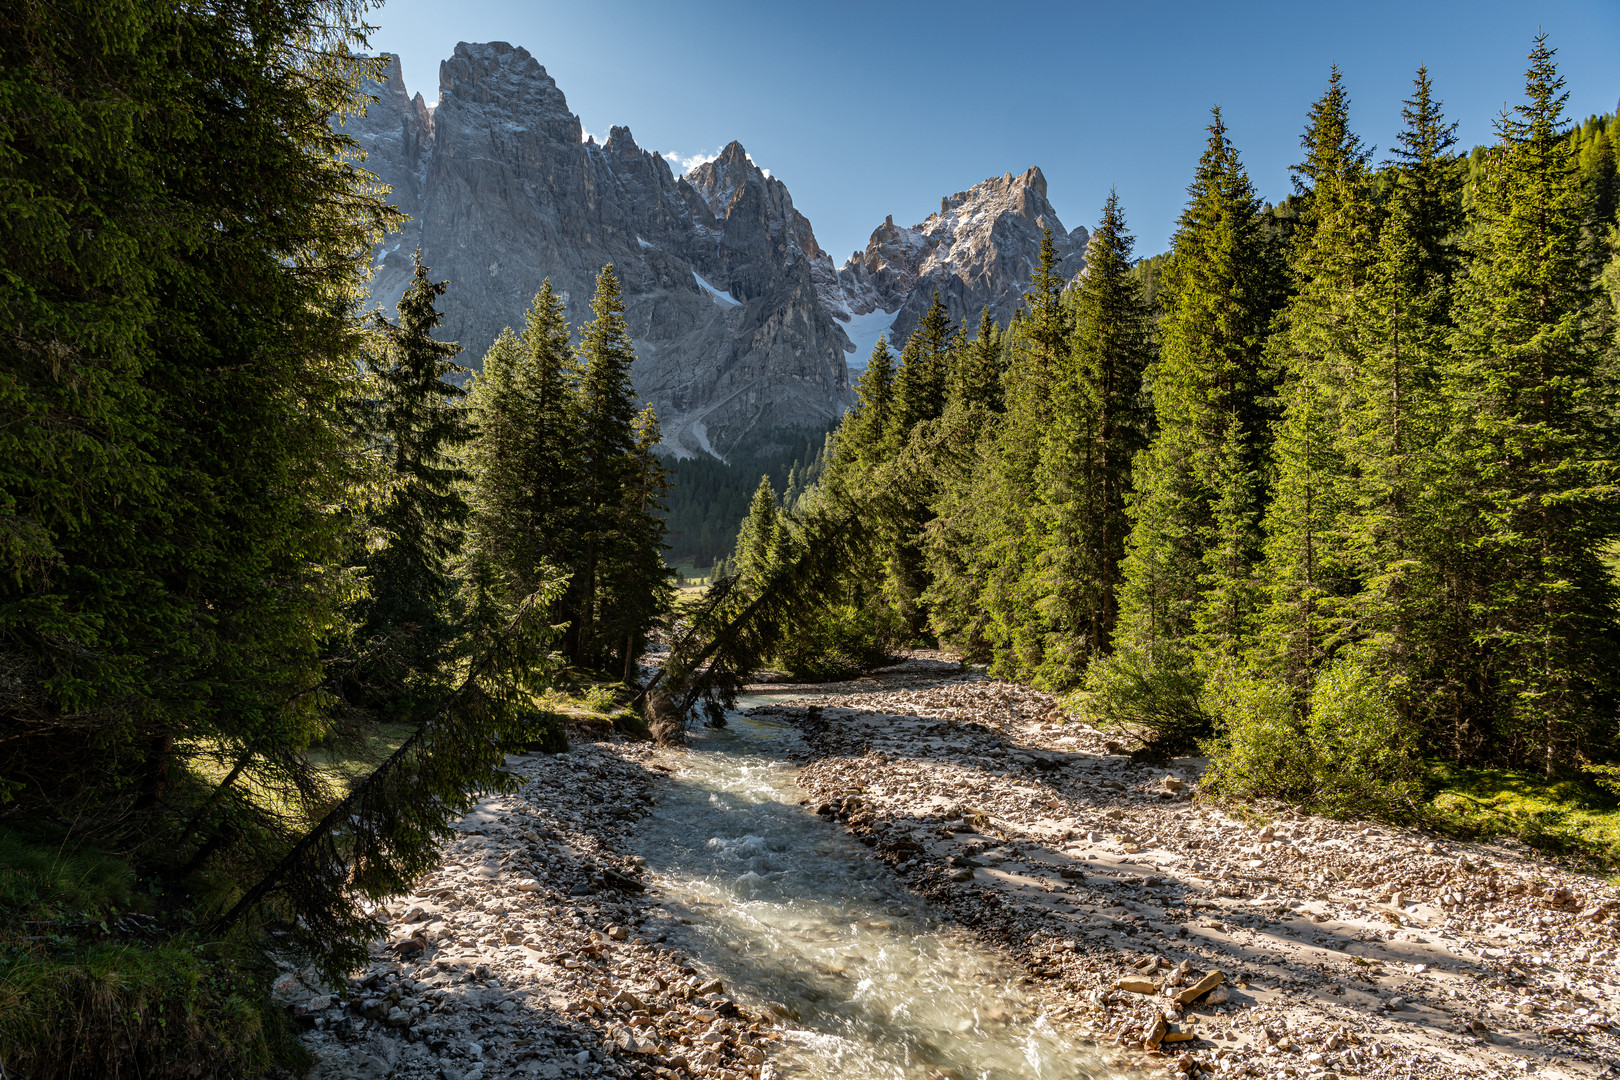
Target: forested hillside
x: 1328, y: 491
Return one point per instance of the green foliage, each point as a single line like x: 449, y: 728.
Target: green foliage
x: 1349, y: 755
x: 619, y: 585
x: 122, y: 1010
x: 708, y: 498
x: 1563, y: 815
x: 415, y: 531
x: 1099, y: 424
x: 385, y: 833
x: 1157, y: 699
x: 1201, y: 490
x: 1535, y: 442
x: 525, y: 484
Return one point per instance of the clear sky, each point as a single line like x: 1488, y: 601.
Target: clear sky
x: 874, y: 108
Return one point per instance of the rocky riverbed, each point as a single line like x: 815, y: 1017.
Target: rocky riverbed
x: 1113, y: 909
x: 1340, y: 948
x: 535, y: 951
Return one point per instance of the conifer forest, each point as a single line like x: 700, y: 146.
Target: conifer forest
x: 1327, y: 497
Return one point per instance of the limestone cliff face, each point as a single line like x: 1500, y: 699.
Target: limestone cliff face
x: 980, y: 249
x: 734, y: 345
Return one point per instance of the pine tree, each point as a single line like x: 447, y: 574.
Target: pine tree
x: 497, y: 525
x: 1040, y: 349
x: 608, y: 463
x: 1099, y: 425
x: 1308, y: 571
x: 639, y: 588
x: 418, y: 527
x: 1428, y: 180
x: 1602, y: 183
x: 864, y: 434
x: 758, y: 538
x: 1402, y: 531
x: 1538, y: 447
x: 525, y: 490
x: 1200, y: 489
x: 925, y: 365
x: 976, y: 378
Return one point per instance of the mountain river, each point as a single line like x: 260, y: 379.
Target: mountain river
x: 789, y: 909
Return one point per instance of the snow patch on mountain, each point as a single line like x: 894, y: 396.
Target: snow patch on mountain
x: 864, y: 331
x: 721, y: 297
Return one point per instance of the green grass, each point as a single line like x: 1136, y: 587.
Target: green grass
x: 49, y: 878
x: 352, y: 761
x: 77, y: 999
x: 1566, y: 816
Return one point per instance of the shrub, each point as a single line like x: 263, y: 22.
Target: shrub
x: 1154, y: 697
x: 1347, y: 754
x: 842, y: 640
x: 116, y: 1010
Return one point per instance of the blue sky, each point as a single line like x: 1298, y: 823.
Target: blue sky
x: 868, y: 109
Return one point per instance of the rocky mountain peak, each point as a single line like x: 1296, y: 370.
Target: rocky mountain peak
x: 979, y: 249
x: 732, y: 346
x: 508, y: 83
x: 620, y: 143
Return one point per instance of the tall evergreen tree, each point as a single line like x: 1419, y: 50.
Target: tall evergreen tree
x: 1538, y: 448
x: 638, y: 585
x: 616, y: 545
x: 1200, y: 488
x: 1040, y: 347
x: 1099, y: 424
x: 976, y: 378
x: 1428, y: 180
x: 525, y: 490
x: 863, y: 437
x: 1402, y: 533
x: 1308, y: 571
x: 418, y: 526
x: 923, y: 380
x: 758, y: 539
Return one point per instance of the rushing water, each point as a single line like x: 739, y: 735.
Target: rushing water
x: 792, y: 910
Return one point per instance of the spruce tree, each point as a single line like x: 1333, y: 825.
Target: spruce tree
x: 1040, y: 349
x: 1308, y: 572
x: 525, y: 489
x: 1402, y: 529
x: 617, y: 547
x: 976, y: 378
x: 418, y: 526
x: 1200, y: 488
x: 1538, y: 446
x: 757, y: 539
x: 638, y: 585
x: 1099, y: 424
x: 1428, y: 180
x: 864, y: 434
x: 922, y: 382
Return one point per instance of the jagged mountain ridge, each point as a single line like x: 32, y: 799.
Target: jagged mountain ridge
x: 742, y: 324
x: 733, y: 345
x: 978, y: 251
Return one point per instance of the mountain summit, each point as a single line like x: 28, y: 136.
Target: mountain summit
x: 743, y: 327
x: 978, y: 250
x: 733, y: 345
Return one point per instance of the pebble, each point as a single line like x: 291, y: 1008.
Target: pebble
x: 537, y: 950
x: 1320, y: 929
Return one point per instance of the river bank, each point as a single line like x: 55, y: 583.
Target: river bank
x: 927, y: 874
x: 534, y: 951
x: 1343, y: 949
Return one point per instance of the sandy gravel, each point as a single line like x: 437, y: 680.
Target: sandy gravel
x: 1344, y: 949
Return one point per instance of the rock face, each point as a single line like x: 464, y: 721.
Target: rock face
x: 734, y: 345
x: 980, y: 249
